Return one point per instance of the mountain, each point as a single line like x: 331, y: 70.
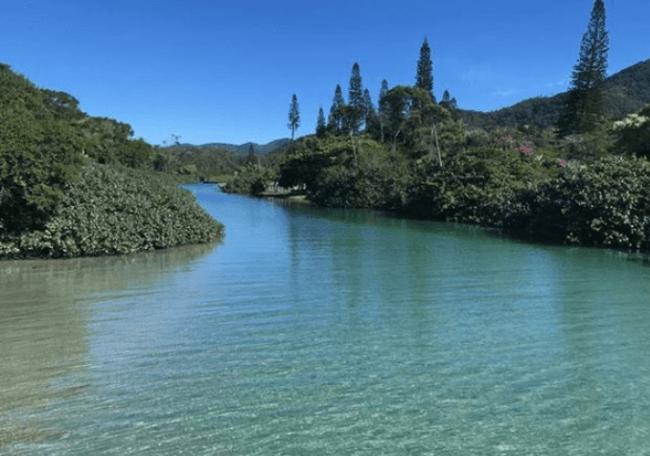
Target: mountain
x: 241, y: 149
x: 626, y: 92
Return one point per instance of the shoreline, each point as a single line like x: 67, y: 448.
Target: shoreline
x: 636, y: 255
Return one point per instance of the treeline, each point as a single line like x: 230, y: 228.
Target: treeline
x: 54, y: 157
x: 583, y: 181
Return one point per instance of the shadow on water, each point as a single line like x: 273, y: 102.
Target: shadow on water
x: 44, y: 333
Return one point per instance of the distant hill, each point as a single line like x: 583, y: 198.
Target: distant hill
x: 626, y: 92
x: 241, y: 149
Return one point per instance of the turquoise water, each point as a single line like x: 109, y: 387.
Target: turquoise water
x: 327, y: 332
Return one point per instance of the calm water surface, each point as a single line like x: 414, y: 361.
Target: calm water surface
x: 325, y: 332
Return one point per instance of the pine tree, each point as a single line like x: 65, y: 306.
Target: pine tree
x: 335, y: 122
x: 369, y: 112
x: 321, y: 126
x: 355, y: 100
x: 446, y: 98
x: 424, y: 75
x: 382, y: 116
x: 294, y: 115
x: 583, y: 104
x: 448, y: 102
x: 384, y: 89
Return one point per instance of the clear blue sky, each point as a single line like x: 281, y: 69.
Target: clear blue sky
x: 215, y: 71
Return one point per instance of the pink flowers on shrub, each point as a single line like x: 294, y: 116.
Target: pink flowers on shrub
x: 526, y: 148
x: 561, y: 162
x: 506, y: 140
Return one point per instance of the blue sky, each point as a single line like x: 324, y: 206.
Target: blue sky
x: 213, y: 71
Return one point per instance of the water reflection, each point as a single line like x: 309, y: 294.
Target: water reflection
x: 44, y: 328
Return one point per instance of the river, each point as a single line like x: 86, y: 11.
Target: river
x: 327, y: 332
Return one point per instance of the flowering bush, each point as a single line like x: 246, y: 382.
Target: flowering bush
x: 504, y: 138
x: 526, y: 148
x: 633, y: 133
x: 508, y: 140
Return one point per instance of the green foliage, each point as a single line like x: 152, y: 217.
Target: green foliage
x: 424, y: 73
x: 335, y: 120
x: 604, y: 204
x: 251, y: 180
x: 116, y: 210
x: 40, y: 155
x: 357, y: 172
x: 476, y: 186
x: 353, y: 171
x: 583, y: 105
x: 369, y: 113
x: 305, y: 164
x: 294, y: 115
x: 407, y: 109
x: 633, y: 133
x: 321, y: 125
x: 353, y: 117
x: 590, y: 146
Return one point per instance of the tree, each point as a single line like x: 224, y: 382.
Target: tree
x: 409, y: 109
x: 583, y: 104
x: 382, y: 115
x: 335, y: 121
x: 369, y: 113
x: 448, y: 102
x: 294, y: 115
x: 424, y: 75
x: 355, y: 101
x: 321, y: 126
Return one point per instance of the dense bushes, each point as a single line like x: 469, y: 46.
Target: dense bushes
x: 252, y: 179
x: 477, y: 185
x: 603, y: 201
x: 344, y: 171
x: 116, y: 210
x: 633, y: 133
x: 605, y: 204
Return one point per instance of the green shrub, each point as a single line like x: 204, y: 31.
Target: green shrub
x: 250, y: 180
x: 604, y: 204
x: 342, y: 171
x: 116, y: 210
x: 477, y: 186
x: 633, y: 133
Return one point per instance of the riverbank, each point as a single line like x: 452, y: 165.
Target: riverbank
x: 602, y: 203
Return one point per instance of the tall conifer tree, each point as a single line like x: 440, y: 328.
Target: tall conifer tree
x: 294, y: 115
x: 335, y: 122
x: 424, y: 74
x: 321, y: 126
x: 383, y: 90
x: 383, y: 114
x: 369, y: 113
x: 583, y: 104
x: 355, y: 100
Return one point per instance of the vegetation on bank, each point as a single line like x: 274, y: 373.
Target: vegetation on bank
x: 116, y: 210
x: 584, y: 181
x: 73, y: 185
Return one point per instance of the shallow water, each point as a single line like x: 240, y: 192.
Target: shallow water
x: 311, y: 331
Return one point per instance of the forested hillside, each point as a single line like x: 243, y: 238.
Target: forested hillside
x: 625, y: 92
